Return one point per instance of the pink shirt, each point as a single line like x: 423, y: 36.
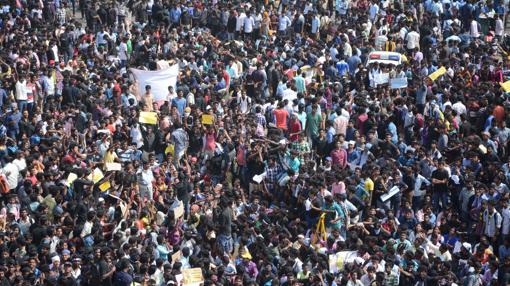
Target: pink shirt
x: 340, y: 125
x: 210, y: 142
x: 339, y: 157
x: 338, y: 188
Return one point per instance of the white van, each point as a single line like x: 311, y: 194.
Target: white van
x: 385, y: 58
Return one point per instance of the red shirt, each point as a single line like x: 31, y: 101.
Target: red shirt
x: 281, y: 118
x: 294, y: 127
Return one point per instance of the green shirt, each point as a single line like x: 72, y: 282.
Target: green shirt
x: 332, y: 216
x: 313, y: 122
x: 129, y: 46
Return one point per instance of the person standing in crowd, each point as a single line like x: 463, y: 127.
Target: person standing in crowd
x: 282, y: 143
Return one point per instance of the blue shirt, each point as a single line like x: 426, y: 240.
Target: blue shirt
x: 330, y: 135
x: 122, y: 279
x: 180, y: 103
x: 175, y: 14
x: 392, y: 128
x: 16, y: 117
x: 163, y: 252
x: 342, y: 67
x: 353, y: 63
x: 504, y: 252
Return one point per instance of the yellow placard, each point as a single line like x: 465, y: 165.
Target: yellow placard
x: 506, y: 86
x: 71, y: 178
x: 179, y: 210
x: 148, y: 118
x: 207, y: 119
x: 192, y: 276
x: 105, y: 186
x: 176, y: 256
x: 435, y: 75
x: 96, y: 175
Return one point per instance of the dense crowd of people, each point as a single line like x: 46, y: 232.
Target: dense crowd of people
x: 304, y: 143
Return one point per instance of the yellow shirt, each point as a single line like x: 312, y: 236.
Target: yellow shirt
x: 109, y: 157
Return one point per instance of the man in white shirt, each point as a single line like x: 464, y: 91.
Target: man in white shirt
x: 244, y: 102
x: 505, y: 213
x: 87, y: 226
x: 123, y: 53
x: 380, y: 41
x: 491, y: 222
x: 316, y: 23
x: 171, y: 94
x: 21, y: 92
x: 474, y: 29
x: 240, y: 22
x: 412, y: 40
x: 500, y: 29
x: 373, y: 11
x: 11, y: 173
x: 145, y: 178
x: 258, y: 21
x: 101, y: 41
x: 248, y: 25
x: 283, y: 23
x: 459, y: 107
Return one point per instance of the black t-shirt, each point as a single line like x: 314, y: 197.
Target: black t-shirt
x: 389, y: 147
x: 195, y: 142
x: 440, y: 174
x: 321, y: 147
x: 183, y: 190
x: 38, y: 233
x: 318, y: 204
x: 231, y: 24
x: 225, y: 222
x: 255, y: 166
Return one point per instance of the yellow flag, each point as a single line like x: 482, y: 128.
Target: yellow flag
x: 148, y: 118
x: 505, y: 85
x: 435, y: 75
x: 170, y: 149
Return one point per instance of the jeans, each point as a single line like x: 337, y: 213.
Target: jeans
x: 395, y: 202
x: 30, y: 108
x: 439, y: 196
x: 311, y: 221
x: 22, y: 104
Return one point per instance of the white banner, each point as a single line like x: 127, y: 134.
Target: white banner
x: 381, y: 78
x: 338, y: 260
x: 399, y: 82
x: 393, y: 191
x: 159, y: 81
